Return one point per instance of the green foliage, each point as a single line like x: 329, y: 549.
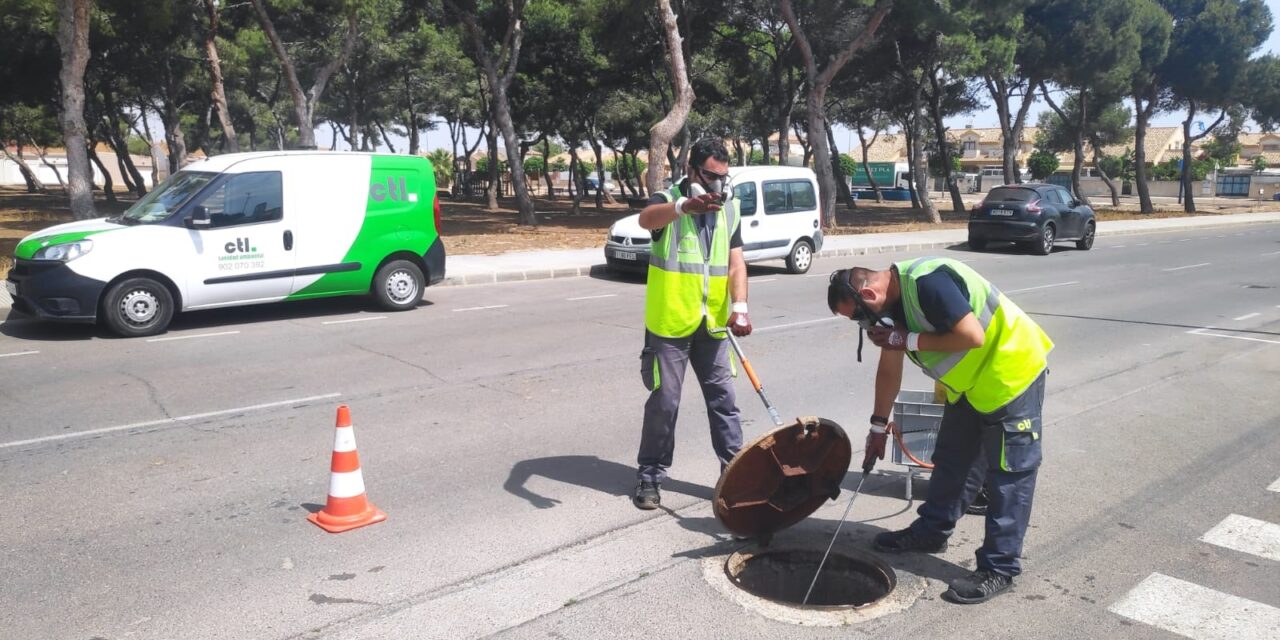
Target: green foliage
x: 1042, y: 164
x: 849, y: 166
x: 621, y: 169
x: 1224, y: 149
x: 442, y: 166
x: 534, y: 167
x: 1264, y: 85
x: 1168, y: 170
x: 1260, y: 164
x: 1119, y: 167
x: 757, y: 158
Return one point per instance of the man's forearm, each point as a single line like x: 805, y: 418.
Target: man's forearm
x: 888, y: 382
x: 737, y: 277
x: 657, y: 216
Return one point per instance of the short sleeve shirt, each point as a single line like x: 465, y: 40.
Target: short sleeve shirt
x: 944, y: 300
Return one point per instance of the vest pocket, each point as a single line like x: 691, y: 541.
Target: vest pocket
x: 649, y: 374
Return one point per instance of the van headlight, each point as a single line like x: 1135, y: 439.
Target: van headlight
x: 65, y: 252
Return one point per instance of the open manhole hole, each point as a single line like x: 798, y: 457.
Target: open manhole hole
x: 784, y: 575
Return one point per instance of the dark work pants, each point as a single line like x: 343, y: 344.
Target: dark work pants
x: 663, y: 364
x: 1002, y: 448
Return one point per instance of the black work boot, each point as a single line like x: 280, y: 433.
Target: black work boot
x: 979, y: 586
x: 908, y: 540
x: 647, y: 496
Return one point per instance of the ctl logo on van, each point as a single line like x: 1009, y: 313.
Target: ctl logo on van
x: 394, y: 189
x: 241, y: 245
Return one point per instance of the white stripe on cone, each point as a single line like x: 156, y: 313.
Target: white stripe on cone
x: 344, y: 439
x: 348, y: 484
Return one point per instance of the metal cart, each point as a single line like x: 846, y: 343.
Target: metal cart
x: 917, y: 416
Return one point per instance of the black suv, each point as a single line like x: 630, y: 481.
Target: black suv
x: 1032, y: 215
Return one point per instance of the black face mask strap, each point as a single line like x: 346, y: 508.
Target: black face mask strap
x: 860, y: 334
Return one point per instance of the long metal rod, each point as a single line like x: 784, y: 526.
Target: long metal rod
x: 833, y: 539
x: 755, y: 382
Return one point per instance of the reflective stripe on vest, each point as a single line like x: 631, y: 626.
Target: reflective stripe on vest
x: 1012, y: 355
x: 687, y: 280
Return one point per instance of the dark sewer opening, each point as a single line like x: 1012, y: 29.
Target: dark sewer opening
x: 784, y: 576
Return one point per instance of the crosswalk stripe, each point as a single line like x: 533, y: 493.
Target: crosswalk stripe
x: 1197, y: 612
x: 1242, y: 533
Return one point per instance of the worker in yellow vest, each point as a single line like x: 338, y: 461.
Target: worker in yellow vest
x: 991, y: 358
x: 697, y: 289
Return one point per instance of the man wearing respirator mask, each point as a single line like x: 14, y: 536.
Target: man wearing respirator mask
x: 992, y: 359
x: 696, y: 291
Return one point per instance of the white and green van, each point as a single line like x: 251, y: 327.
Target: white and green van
x: 241, y: 229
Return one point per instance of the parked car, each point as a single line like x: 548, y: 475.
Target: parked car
x: 1034, y: 216
x: 591, y: 184
x: 241, y: 229
x: 780, y: 220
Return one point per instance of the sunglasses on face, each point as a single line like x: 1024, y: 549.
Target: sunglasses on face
x: 711, y: 175
x: 862, y: 313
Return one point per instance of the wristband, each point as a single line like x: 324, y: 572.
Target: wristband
x: 879, y: 421
x: 878, y: 430
x: 739, y: 307
x: 913, y: 341
x: 680, y: 206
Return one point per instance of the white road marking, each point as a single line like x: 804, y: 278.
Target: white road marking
x: 1190, y: 266
x: 800, y: 324
x: 1196, y: 612
x: 492, y: 306
x: 763, y: 279
x: 1044, y: 286
x: 1271, y: 253
x: 1144, y: 244
x: 1120, y: 246
x: 1205, y: 332
x: 354, y: 320
x: 607, y: 295
x: 1186, y: 240
x: 1245, y: 534
x: 164, y: 421
x: 1247, y: 316
x: 18, y: 353
x: 198, y: 335
x: 1275, y: 486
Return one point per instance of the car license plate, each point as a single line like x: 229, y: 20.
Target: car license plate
x: 1002, y: 212
x: 625, y: 255
x: 11, y: 287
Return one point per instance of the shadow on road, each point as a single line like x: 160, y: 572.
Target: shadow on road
x: 591, y: 472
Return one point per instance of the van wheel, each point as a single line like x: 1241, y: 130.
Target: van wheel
x: 398, y: 285
x: 138, y: 307
x: 801, y: 257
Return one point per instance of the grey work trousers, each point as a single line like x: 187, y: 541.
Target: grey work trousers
x: 662, y: 366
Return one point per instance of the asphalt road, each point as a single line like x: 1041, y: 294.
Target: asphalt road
x: 158, y: 488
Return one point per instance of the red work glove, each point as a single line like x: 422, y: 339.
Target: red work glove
x: 739, y: 321
x: 888, y: 338
x: 877, y: 437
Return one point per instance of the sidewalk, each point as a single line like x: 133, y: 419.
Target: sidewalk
x: 542, y: 265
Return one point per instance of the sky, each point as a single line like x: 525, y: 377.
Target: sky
x: 439, y: 138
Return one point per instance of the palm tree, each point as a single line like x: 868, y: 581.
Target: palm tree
x: 442, y: 162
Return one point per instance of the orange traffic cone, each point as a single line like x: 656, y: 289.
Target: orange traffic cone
x: 347, y: 507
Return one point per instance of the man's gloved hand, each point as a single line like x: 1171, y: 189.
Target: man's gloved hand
x: 890, y: 338
x: 876, y: 439
x: 739, y: 321
x: 705, y: 203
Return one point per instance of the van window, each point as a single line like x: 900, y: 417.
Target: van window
x: 166, y: 198
x: 245, y: 198
x: 785, y: 196
x: 746, y: 195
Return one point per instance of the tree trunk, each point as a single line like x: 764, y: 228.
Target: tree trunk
x: 818, y: 81
x: 385, y: 139
x: 1011, y: 127
x: 34, y: 185
x: 129, y: 184
x: 944, y: 146
x: 575, y: 166
x: 1188, y: 199
x: 837, y: 169
x: 1141, y: 116
x: 866, y: 166
x: 44, y: 159
x: 113, y: 118
x: 219, y: 93
x: 108, y: 187
x: 602, y: 194
x: 151, y: 146
x: 304, y: 105
x: 73, y: 42
x: 920, y: 168
x: 1077, y: 143
x: 1097, y: 166
x: 546, y: 167
x: 661, y: 133
x: 495, y: 171
x: 907, y: 131
x: 413, y: 117
x: 173, y: 136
